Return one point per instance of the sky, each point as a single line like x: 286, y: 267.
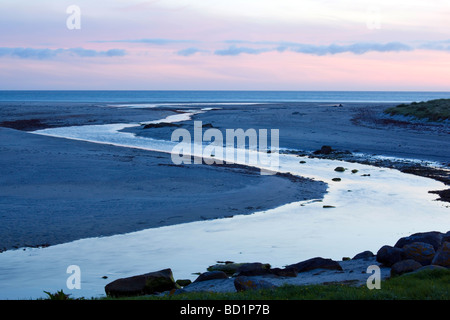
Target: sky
x: 225, y: 45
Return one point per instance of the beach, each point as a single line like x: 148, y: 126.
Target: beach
x: 123, y: 210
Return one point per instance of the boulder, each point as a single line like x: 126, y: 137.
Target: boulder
x: 285, y: 272
x: 364, y: 255
x: 229, y: 268
x: 211, y: 275
x: 253, y: 269
x: 430, y: 267
x: 446, y: 237
x: 243, y: 283
x: 442, y: 256
x: 419, y: 251
x: 404, y: 266
x: 148, y: 283
x: 388, y: 255
x: 433, y: 237
x: 160, y: 125
x: 183, y: 282
x: 316, y: 263
x: 324, y: 150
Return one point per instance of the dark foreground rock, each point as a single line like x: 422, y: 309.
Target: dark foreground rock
x: 433, y: 237
x: 419, y: 251
x: 316, y: 263
x: 228, y: 267
x: 442, y: 256
x: 210, y: 275
x: 404, y: 266
x: 253, y: 269
x: 244, y: 283
x: 364, y: 255
x: 183, y: 282
x: 148, y: 283
x: 284, y: 272
x: 388, y: 255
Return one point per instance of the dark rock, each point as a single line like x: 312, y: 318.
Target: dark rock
x: 404, y: 266
x: 316, y: 263
x: 160, y: 125
x: 183, y: 282
x: 419, y: 251
x: 25, y: 125
x: 243, y: 283
x: 346, y: 258
x: 336, y: 179
x: 446, y: 237
x: 430, y: 267
x: 211, y: 275
x: 364, y: 255
x: 444, y: 195
x: 285, y: 272
x: 229, y: 268
x: 324, y: 150
x: 388, y: 255
x: 148, y: 283
x: 433, y: 237
x: 339, y: 169
x: 253, y: 269
x: 225, y: 262
x: 442, y: 256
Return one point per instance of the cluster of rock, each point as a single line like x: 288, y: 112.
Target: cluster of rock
x: 407, y: 255
x: 163, y: 280
x: 415, y: 251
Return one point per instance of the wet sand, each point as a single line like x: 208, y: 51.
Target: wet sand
x: 57, y: 190
x: 354, y: 127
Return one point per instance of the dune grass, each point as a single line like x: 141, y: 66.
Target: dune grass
x: 433, y: 110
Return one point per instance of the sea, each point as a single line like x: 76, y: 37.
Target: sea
x: 144, y: 96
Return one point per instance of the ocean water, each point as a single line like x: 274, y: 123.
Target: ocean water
x: 219, y: 96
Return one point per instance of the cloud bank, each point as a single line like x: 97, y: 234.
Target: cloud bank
x: 318, y: 50
x: 46, y: 53
x: 189, y: 52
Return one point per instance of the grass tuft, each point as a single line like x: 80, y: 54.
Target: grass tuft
x: 433, y: 110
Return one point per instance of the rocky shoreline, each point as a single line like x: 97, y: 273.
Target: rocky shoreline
x: 426, y: 250
x: 419, y: 168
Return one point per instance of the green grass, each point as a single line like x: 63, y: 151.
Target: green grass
x: 433, y: 110
x: 424, y: 285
